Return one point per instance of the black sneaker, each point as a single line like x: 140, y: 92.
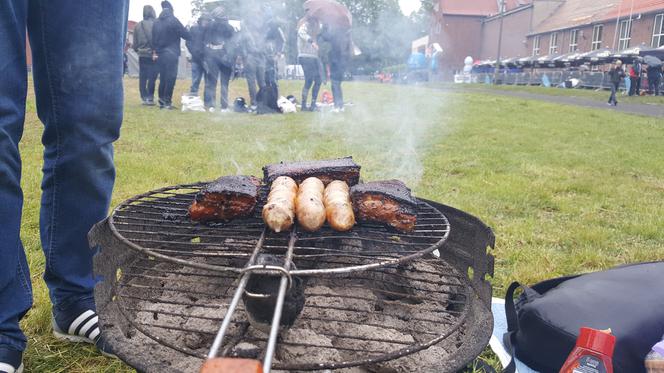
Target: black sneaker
x: 11, y: 361
x: 81, y: 326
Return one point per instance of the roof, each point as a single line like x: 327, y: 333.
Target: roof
x: 483, y: 8
x: 574, y: 13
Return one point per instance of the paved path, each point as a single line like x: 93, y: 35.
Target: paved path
x: 652, y: 110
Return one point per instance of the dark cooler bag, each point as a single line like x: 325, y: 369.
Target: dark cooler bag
x: 544, y: 323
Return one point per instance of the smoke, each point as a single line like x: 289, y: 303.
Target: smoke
x: 388, y: 128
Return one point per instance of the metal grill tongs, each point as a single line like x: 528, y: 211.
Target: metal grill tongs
x: 216, y: 364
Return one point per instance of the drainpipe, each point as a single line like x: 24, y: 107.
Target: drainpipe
x: 615, y: 35
x: 500, y: 40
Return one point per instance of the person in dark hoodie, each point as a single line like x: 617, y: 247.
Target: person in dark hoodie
x: 339, y: 54
x: 143, y: 45
x: 166, y: 34
x: 196, y: 46
x: 220, y: 57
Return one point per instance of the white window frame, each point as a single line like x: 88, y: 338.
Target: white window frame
x: 598, y: 33
x: 536, y: 45
x: 553, y: 43
x: 658, y: 35
x: 574, y: 40
x: 625, y: 35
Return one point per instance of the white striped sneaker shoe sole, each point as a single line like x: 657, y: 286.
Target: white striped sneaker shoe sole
x: 84, y: 329
x: 10, y: 369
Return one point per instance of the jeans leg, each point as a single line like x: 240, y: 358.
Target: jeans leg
x: 15, y: 287
x: 80, y: 102
x: 251, y: 76
x: 143, y: 76
x: 196, y: 76
x: 153, y: 70
x: 225, y: 81
x: 211, y: 76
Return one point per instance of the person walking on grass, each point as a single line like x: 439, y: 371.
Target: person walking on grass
x: 166, y: 34
x: 307, y: 46
x: 340, y: 52
x: 616, y: 74
x: 654, y: 79
x: 147, y: 66
x: 80, y: 102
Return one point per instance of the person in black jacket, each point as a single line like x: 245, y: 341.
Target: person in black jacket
x: 340, y: 52
x: 143, y: 45
x: 617, y: 74
x: 220, y: 56
x: 166, y: 34
x: 196, y: 46
x: 654, y: 79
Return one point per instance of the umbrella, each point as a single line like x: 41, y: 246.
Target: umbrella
x: 597, y: 57
x: 526, y: 61
x: 509, y: 62
x: 566, y: 60
x: 329, y: 12
x: 629, y: 55
x: 545, y: 61
x: 652, y: 61
x: 658, y: 52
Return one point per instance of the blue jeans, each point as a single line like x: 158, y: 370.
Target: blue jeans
x: 77, y: 48
x: 196, y: 76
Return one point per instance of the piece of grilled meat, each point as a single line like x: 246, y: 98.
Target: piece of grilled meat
x: 387, y: 202
x: 227, y: 198
x: 327, y: 171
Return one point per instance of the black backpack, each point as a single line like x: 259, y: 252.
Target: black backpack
x: 544, y: 323
x: 266, y: 99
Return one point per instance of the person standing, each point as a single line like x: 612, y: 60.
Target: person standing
x: 307, y: 46
x: 220, y: 57
x: 166, y: 34
x: 617, y: 74
x: 196, y: 47
x: 635, y: 75
x: 340, y: 51
x: 79, y: 98
x: 253, y: 60
x: 147, y: 67
x: 654, y: 79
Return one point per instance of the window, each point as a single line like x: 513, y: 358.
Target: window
x: 553, y: 43
x: 597, y: 37
x: 625, y: 34
x: 573, y: 41
x: 536, y: 46
x: 658, y: 31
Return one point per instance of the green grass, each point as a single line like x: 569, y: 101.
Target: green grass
x: 566, y: 190
x: 598, y: 95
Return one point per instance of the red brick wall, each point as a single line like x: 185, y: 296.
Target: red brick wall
x: 641, y: 33
x: 459, y: 36
x: 515, y: 28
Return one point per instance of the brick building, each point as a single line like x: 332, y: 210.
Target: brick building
x: 542, y: 27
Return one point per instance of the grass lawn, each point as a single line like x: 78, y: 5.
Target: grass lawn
x: 566, y: 190
x: 599, y: 95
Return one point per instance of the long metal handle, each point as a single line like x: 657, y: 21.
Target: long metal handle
x: 278, y: 308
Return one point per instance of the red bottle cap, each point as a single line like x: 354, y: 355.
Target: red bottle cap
x: 597, y: 340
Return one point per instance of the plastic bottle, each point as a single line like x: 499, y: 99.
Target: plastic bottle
x: 593, y: 353
x: 655, y: 359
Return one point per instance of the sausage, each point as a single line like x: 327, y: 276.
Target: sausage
x: 309, y: 206
x: 279, y: 211
x: 338, y: 206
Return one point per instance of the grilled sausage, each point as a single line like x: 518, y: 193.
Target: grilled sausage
x: 338, y: 207
x: 279, y: 211
x: 309, y: 206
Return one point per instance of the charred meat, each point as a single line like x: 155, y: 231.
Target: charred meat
x: 327, y: 171
x: 386, y: 202
x: 227, y: 198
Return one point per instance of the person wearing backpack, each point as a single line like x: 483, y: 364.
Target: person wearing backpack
x: 148, y: 71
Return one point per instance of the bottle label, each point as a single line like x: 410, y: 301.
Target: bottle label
x: 590, y: 364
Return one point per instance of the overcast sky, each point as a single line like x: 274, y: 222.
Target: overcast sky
x: 183, y: 8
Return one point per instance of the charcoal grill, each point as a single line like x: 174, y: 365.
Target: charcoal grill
x: 376, y: 300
